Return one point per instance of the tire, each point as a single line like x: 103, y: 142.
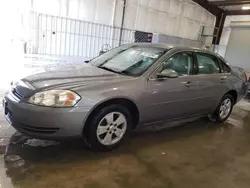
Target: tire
x: 219, y: 116
x: 94, y: 133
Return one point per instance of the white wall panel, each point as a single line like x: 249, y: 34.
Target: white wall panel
x: 162, y: 22
x: 63, y: 8
x: 174, y: 7
x: 225, y: 36
x: 151, y: 15
x: 195, y: 30
x: 188, y: 11
x: 104, y: 12
x: 131, y: 2
x: 152, y: 22
x: 185, y: 23
x: 171, y: 26
x: 144, y: 3
x: 197, y: 12
x: 130, y: 21
x: 155, y: 4
x: 210, y: 21
x: 164, y: 5
x: 141, y: 19
x: 168, y: 17
x: 47, y: 7
x: 73, y: 9
x: 204, y: 16
x: 87, y: 10
x: 118, y: 13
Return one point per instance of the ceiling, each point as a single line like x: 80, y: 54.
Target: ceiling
x: 230, y: 5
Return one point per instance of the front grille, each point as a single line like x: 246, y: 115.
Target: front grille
x: 8, y: 114
x: 7, y: 111
x: 18, y: 95
x: 46, y: 130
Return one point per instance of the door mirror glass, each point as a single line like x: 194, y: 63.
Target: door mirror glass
x: 167, y: 73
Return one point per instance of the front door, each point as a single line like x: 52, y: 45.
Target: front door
x: 171, y: 98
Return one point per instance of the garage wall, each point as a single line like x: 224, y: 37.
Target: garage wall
x: 238, y: 48
x: 80, y: 28
x: 170, y: 17
x: 180, y: 18
x: 221, y: 49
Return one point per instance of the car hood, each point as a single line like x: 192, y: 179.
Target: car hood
x: 70, y: 77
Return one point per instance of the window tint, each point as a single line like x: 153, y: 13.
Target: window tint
x: 207, y: 64
x: 182, y: 63
x: 225, y: 68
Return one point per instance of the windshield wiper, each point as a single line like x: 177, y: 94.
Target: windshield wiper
x: 108, y: 69
x: 107, y: 60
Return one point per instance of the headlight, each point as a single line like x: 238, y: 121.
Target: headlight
x: 13, y: 84
x: 55, y: 98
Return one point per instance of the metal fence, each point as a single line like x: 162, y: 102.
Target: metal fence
x: 63, y: 37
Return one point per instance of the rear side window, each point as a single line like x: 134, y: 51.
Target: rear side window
x: 207, y: 64
x: 224, y: 67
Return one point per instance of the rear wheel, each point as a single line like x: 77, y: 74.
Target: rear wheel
x: 224, y: 109
x: 108, y: 128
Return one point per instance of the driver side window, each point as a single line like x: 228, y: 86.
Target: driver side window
x: 181, y: 63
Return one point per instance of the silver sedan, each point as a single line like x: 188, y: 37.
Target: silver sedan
x: 134, y: 84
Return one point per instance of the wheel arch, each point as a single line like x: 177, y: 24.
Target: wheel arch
x: 234, y: 94
x: 126, y: 102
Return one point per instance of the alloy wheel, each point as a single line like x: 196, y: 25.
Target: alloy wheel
x: 225, y: 108
x: 111, y: 128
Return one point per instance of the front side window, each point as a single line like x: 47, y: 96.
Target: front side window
x: 181, y: 63
x: 131, y: 61
x: 207, y: 64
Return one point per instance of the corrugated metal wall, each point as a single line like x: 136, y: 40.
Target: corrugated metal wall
x: 60, y: 36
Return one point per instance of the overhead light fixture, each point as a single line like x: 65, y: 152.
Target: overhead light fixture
x: 245, y: 8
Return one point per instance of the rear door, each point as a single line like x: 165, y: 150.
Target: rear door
x: 211, y: 81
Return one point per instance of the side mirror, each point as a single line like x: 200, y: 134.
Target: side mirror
x: 86, y: 61
x: 101, y: 52
x: 249, y: 79
x: 167, y: 73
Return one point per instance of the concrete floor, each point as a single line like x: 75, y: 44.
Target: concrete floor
x: 198, y: 154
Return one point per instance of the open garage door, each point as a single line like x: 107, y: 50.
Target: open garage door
x: 238, y: 49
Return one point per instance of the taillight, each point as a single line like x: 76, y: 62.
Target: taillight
x: 245, y: 76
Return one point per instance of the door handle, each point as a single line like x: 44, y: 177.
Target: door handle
x: 188, y: 83
x: 222, y: 79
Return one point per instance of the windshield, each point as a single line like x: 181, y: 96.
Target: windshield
x: 128, y: 60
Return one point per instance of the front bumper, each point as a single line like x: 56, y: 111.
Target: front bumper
x: 44, y: 122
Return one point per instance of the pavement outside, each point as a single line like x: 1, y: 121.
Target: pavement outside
x: 197, y: 154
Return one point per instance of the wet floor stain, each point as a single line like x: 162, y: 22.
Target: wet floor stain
x: 197, y: 154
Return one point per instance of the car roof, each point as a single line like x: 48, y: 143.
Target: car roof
x: 174, y: 47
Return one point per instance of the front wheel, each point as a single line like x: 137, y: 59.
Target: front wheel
x: 224, y: 109
x: 108, y: 127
